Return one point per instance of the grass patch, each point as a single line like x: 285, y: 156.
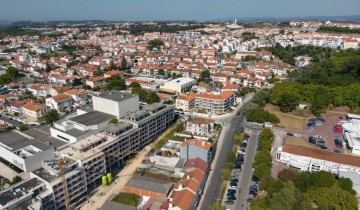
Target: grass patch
x: 298, y: 141
x: 127, y: 199
x: 287, y: 120
x: 169, y: 136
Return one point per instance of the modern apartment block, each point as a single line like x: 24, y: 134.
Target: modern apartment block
x: 116, y: 103
x: 51, y: 176
x: 210, y: 103
x: 115, y: 145
x: 23, y: 151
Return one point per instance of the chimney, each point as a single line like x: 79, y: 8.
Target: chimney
x: 203, y: 143
x: 181, y: 186
x: 188, y: 177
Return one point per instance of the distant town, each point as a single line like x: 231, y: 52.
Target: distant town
x: 180, y: 115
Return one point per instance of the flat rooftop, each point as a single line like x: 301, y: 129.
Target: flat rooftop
x: 181, y: 80
x: 115, y: 95
x: 113, y: 128
x: 91, y: 118
x: 43, y: 135
x: 17, y: 191
x: 150, y: 184
x: 15, y: 140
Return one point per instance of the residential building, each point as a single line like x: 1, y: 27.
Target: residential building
x: 77, y: 94
x: 200, y: 126
x: 96, y: 81
x: 351, y: 133
x: 59, y: 102
x: 34, y: 110
x: 196, y: 148
x: 113, y: 73
x: 148, y: 186
x: 178, y: 85
x: 116, y: 103
x: 23, y: 151
x: 214, y: 103
x: 185, y: 102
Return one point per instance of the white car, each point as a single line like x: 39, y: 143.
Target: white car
x: 232, y: 188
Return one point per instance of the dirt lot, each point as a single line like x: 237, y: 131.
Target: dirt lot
x: 287, y: 120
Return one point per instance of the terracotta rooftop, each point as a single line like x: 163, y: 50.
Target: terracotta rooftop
x: 75, y: 92
x: 197, y: 163
x: 34, y: 106
x: 61, y: 98
x: 222, y: 96
x: 323, y: 155
x: 198, y: 143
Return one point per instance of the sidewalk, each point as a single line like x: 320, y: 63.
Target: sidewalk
x: 103, y: 193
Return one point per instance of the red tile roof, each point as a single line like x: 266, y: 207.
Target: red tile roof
x: 198, y: 143
x: 323, y: 155
x: 197, y: 163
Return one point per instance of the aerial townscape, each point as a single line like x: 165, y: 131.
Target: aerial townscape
x: 183, y: 114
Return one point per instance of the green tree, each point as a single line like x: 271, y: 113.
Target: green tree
x: 152, y: 97
x: 135, y: 85
x: 161, y: 72
x: 302, y: 181
x: 23, y: 127
x: 287, y: 102
x: 124, y: 64
x: 346, y: 184
x: 51, y: 116
x: 205, y: 75
x: 155, y: 43
x: 287, y: 174
x: 333, y: 198
x: 113, y: 120
x: 285, y: 198
x: 322, y: 179
x: 16, y: 179
x: 116, y: 84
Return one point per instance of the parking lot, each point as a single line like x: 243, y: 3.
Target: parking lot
x: 323, y: 130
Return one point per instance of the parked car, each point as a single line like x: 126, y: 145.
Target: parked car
x: 246, y: 135
x: 312, y: 140
x: 233, y: 183
x: 229, y: 194
x: 232, y: 198
x: 234, y: 180
x: 323, y: 147
x: 249, y: 200
x: 321, y: 119
x: 253, y: 193
x: 290, y: 134
x: 229, y: 202
x: 234, y: 191
x: 232, y: 187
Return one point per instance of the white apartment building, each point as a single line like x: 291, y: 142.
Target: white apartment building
x: 75, y: 182
x: 24, y: 152
x: 116, y: 103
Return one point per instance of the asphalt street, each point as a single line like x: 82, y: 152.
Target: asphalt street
x: 213, y: 192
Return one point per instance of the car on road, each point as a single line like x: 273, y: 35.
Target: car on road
x: 289, y: 134
x: 323, y: 147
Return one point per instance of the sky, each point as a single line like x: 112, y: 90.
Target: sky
x: 142, y: 10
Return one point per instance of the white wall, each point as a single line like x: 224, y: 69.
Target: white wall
x: 118, y: 109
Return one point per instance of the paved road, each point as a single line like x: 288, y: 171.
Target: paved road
x: 245, y: 179
x: 225, y: 145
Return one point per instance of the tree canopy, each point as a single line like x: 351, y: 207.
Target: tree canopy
x: 155, y: 43
x: 51, y: 116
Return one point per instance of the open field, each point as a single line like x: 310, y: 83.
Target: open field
x: 298, y: 141
x: 287, y: 120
